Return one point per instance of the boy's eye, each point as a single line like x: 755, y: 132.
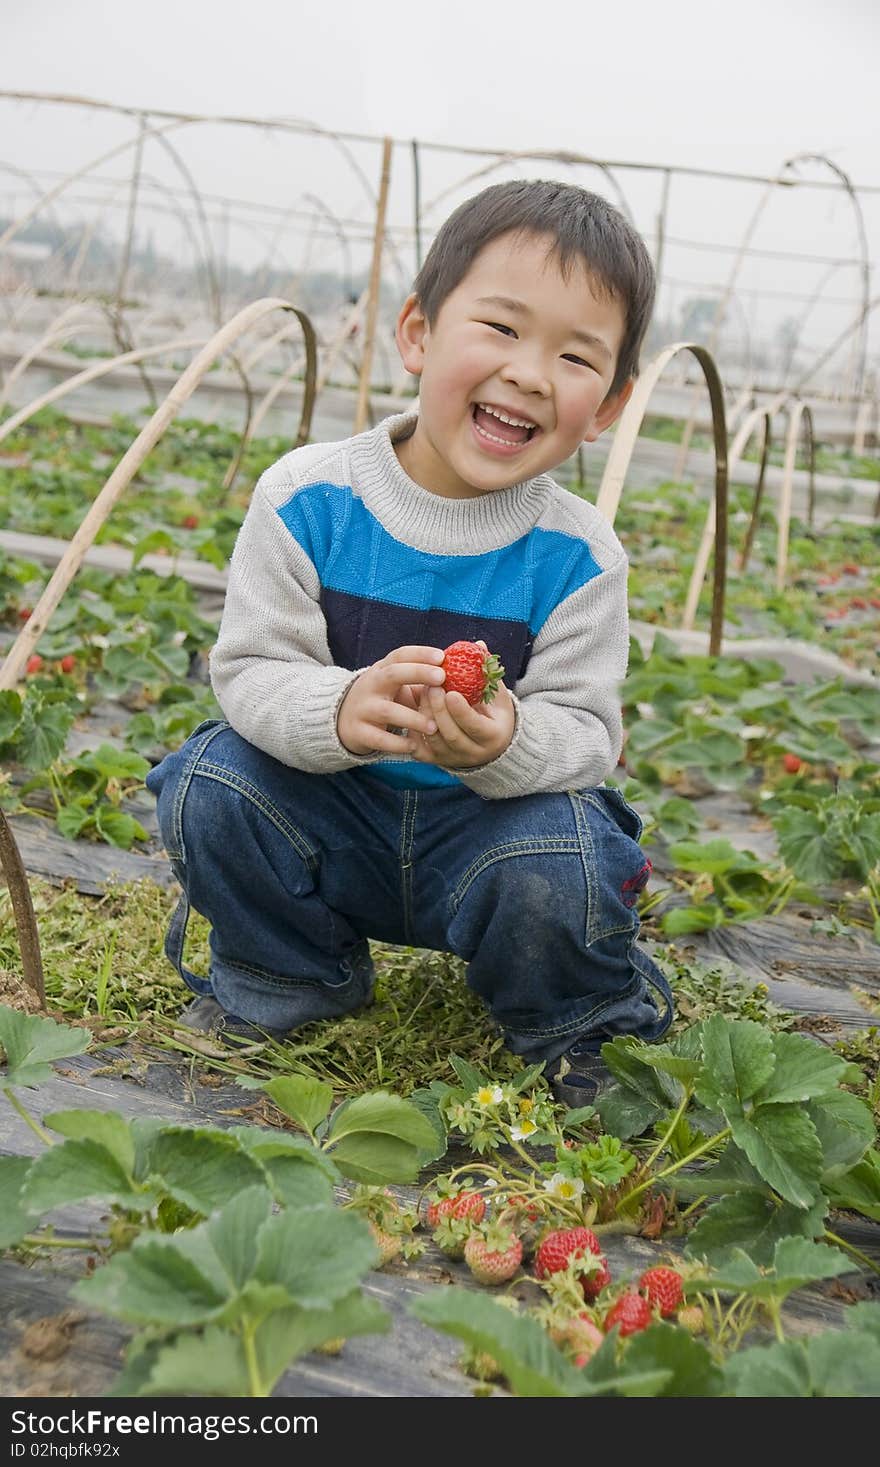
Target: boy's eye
x: 497, y: 326
x: 569, y: 357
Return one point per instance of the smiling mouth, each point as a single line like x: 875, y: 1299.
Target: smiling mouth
x: 501, y: 427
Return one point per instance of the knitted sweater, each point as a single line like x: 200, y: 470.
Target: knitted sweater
x: 342, y: 558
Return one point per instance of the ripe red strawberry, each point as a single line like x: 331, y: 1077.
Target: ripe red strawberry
x: 631, y: 1313
x: 191, y: 522
x: 493, y: 1256
x: 792, y: 764
x: 34, y: 663
x: 662, y: 1288
x: 472, y: 671
x: 463, y: 1205
x: 559, y: 1246
x: 875, y: 602
x: 858, y: 603
x: 851, y: 570
x: 24, y: 613
x: 593, y: 1283
x: 68, y: 663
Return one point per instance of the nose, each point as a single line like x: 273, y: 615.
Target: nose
x: 527, y: 371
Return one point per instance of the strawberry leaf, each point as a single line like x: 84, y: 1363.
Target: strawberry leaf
x: 522, y: 1348
x: 304, y: 1098
x: 104, y: 1126
x: 375, y: 1159
x: 384, y: 1114
x: 10, y: 714
x: 76, y: 1170
x: 15, y: 1220
x: 795, y: 1263
x: 153, y: 1283
x: 691, y: 1369
x: 317, y: 1255
x: 738, y: 1058
x: 30, y: 1042
x: 845, y: 1127
x: 803, y: 1070
x: 781, y: 1143
x: 836, y: 1363
x: 858, y: 1190
x: 201, y: 1168
x: 753, y: 1223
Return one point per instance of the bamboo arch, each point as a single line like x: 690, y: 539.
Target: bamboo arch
x: 704, y: 549
x: 13, y: 870
x: 24, y: 644
x: 625, y: 437
x: 798, y: 413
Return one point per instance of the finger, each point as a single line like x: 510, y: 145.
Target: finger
x: 433, y: 655
x: 399, y: 715
x: 392, y: 675
x: 383, y: 741
x: 457, y: 722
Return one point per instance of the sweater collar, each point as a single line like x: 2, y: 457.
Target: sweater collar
x: 430, y: 521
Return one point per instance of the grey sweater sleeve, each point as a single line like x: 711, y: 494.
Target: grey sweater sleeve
x: 568, y: 732
x: 271, y: 668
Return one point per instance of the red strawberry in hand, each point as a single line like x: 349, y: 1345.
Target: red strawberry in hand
x: 472, y: 671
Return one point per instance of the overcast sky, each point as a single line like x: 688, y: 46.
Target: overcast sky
x: 683, y: 83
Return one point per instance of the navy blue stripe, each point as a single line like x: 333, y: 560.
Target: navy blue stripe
x: 361, y: 631
x: 354, y: 554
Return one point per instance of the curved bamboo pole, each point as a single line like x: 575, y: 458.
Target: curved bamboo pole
x: 58, y: 331
x: 23, y: 910
x: 570, y: 159
x: 746, y: 551
x: 704, y: 549
x: 128, y: 465
x: 798, y: 412
x: 97, y: 369
x: 308, y: 403
x: 622, y: 449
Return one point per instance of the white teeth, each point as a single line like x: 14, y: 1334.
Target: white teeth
x: 504, y: 417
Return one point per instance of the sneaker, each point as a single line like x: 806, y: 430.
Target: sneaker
x: 577, y: 1077
x: 207, y: 1016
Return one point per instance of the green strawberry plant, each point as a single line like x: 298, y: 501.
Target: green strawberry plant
x: 225, y: 1290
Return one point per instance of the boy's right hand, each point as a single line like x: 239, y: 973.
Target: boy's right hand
x: 381, y: 698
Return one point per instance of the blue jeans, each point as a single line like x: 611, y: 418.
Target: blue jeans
x: 295, y: 872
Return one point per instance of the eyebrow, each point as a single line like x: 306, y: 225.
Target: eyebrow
x: 507, y: 303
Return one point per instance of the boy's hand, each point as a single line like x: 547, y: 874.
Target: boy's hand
x: 381, y: 700
x: 466, y: 737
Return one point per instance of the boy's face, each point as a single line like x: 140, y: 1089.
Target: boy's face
x: 517, y: 338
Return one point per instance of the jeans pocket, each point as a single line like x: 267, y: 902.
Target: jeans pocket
x: 623, y: 814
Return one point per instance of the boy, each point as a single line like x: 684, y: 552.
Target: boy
x: 348, y: 796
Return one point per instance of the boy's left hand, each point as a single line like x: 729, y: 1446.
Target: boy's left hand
x: 466, y: 737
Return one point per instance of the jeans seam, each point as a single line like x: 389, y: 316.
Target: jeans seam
x: 577, y: 1025
x: 407, y: 839
x: 592, y: 931
x: 183, y: 784
x: 277, y: 980
x: 552, y: 845
x: 221, y: 775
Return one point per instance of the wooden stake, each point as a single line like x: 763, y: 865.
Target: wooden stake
x: 360, y: 417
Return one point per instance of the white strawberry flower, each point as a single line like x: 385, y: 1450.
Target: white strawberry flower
x: 489, y: 1095
x: 563, y: 1187
x: 525, y: 1129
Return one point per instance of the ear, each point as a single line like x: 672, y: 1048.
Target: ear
x: 411, y: 334
x: 609, y: 411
